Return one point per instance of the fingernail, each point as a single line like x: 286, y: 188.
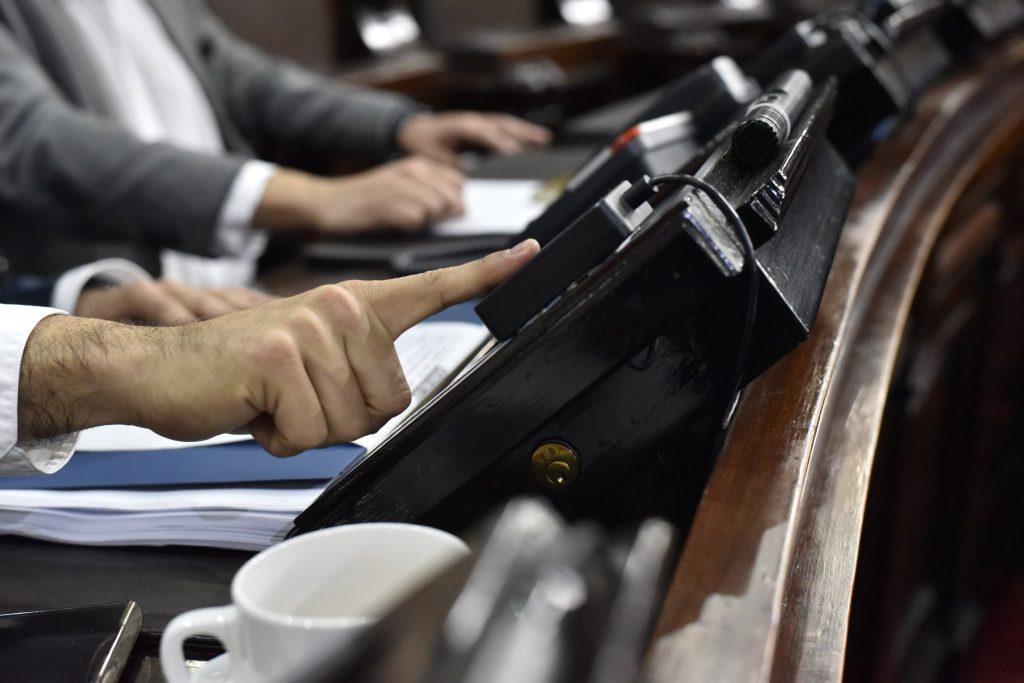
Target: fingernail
x: 520, y: 248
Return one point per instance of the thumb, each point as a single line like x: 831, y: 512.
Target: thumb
x: 403, y: 302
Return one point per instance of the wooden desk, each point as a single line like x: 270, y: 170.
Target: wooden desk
x: 763, y: 590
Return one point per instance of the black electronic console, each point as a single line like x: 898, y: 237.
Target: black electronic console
x: 584, y: 402
x: 913, y: 27
x: 714, y: 96
x: 760, y: 201
x: 674, y: 133
x: 873, y: 91
x: 975, y: 23
x: 718, y: 81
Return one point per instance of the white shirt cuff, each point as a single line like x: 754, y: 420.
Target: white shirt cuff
x: 235, y: 235
x: 117, y: 271
x: 16, y: 325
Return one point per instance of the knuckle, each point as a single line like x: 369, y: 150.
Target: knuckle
x: 339, y: 300
x: 326, y: 296
x: 349, y: 311
x: 146, y: 290
x: 282, y: 450
x: 315, y: 437
x: 416, y: 168
x: 306, y: 324
x: 410, y: 220
x: 310, y: 436
x: 277, y: 348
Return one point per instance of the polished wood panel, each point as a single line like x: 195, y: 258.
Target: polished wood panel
x: 763, y: 588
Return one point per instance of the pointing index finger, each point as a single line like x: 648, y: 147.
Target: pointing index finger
x: 403, y: 302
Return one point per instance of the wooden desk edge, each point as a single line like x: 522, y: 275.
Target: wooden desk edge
x: 755, y: 528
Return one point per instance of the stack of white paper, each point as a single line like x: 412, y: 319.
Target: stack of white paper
x: 239, y: 518
x: 495, y: 207
x: 242, y: 519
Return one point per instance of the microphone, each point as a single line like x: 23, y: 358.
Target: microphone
x: 769, y: 119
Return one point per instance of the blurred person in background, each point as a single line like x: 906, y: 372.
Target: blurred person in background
x: 137, y: 127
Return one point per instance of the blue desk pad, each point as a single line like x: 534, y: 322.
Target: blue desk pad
x: 229, y: 464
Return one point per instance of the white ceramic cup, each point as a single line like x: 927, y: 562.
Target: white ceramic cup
x: 303, y: 599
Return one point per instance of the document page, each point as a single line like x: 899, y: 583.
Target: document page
x: 241, y: 519
x: 125, y: 438
x: 430, y: 355
x: 495, y: 207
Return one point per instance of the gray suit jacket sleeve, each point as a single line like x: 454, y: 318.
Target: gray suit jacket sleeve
x: 274, y: 102
x: 65, y: 170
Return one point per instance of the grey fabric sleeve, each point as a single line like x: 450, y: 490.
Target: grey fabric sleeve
x: 274, y: 102
x: 65, y: 170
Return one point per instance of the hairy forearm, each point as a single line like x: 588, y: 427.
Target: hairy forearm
x: 78, y: 373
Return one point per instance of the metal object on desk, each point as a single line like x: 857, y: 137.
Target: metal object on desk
x: 699, y: 108
x: 89, y: 644
x: 766, y: 126
x: 640, y: 349
x: 542, y: 601
x: 555, y: 464
x: 859, y: 54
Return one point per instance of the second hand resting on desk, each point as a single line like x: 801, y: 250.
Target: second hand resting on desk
x: 501, y: 196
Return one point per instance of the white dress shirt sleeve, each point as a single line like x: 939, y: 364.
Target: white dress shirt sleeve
x: 116, y: 271
x: 235, y: 234
x: 239, y: 244
x: 16, y: 324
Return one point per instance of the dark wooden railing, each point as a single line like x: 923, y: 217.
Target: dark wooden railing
x: 764, y: 588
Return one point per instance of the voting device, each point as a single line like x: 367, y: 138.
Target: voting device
x: 580, y: 398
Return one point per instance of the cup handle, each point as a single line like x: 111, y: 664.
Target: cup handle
x: 212, y: 621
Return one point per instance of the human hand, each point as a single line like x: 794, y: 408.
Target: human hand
x: 405, y: 195
x: 441, y: 136
x: 298, y: 373
x: 164, y: 303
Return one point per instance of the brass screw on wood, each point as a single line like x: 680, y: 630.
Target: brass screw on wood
x: 555, y: 464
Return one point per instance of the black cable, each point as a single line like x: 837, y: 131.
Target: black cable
x: 746, y: 341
